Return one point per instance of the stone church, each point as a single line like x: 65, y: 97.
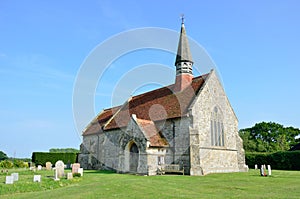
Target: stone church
x: 190, y: 124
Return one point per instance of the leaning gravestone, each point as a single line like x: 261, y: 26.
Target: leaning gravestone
x: 37, y: 178
x: 9, y: 180
x: 15, y: 176
x: 60, y: 168
x: 75, y: 167
x: 48, y: 165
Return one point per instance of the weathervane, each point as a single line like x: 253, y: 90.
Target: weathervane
x: 182, y: 18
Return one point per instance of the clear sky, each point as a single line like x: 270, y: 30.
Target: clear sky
x: 254, y: 44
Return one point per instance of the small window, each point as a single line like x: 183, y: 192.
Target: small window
x: 161, y: 160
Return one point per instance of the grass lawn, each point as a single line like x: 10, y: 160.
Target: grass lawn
x: 101, y: 184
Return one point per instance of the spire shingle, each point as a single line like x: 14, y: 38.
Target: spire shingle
x: 183, y: 51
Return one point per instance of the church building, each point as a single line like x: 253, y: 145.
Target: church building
x: 190, y: 124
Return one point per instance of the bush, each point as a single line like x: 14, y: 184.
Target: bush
x: 20, y: 164
x: 257, y: 158
x: 6, y: 164
x: 76, y: 175
x: 40, y: 158
x: 284, y: 160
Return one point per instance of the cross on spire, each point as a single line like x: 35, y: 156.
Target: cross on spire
x: 183, y: 50
x: 182, y: 18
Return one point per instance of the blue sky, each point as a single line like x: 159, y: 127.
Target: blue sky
x: 255, y: 45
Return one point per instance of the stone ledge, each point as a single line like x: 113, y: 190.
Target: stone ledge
x: 220, y: 149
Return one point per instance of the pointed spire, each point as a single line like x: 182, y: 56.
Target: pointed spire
x: 183, y: 51
x: 183, y: 62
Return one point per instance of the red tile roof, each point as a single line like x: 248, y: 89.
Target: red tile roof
x: 149, y: 129
x: 156, y: 105
x: 96, y: 125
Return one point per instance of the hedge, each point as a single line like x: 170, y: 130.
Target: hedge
x: 283, y: 160
x: 40, y: 158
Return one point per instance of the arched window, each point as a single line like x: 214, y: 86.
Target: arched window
x: 217, y: 128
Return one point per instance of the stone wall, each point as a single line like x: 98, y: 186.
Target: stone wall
x: 241, y: 155
x: 218, y: 161
x: 109, y: 150
x: 176, y: 131
x: 88, y: 152
x: 206, y: 158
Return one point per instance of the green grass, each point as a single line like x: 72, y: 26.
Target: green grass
x: 100, y: 184
x: 26, y: 184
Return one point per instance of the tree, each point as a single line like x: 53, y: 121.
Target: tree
x: 3, y: 156
x: 269, y: 137
x: 64, y: 150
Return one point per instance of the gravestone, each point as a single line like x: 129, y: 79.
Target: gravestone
x: 262, y: 171
x: 39, y: 167
x: 55, y: 174
x: 75, y: 167
x: 9, y: 180
x: 60, y: 168
x: 69, y: 176
x: 255, y: 166
x: 80, y: 170
x: 15, y: 176
x: 269, y: 170
x: 37, y: 178
x: 48, y: 165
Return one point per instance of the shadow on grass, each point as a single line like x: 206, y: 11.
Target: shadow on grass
x: 99, y: 172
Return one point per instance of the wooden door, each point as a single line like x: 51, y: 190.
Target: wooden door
x: 134, y: 158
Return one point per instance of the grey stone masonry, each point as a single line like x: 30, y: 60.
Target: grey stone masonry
x: 193, y: 142
x: 205, y: 156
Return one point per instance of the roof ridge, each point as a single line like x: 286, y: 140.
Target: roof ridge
x: 116, y: 113
x: 169, y: 86
x: 144, y: 120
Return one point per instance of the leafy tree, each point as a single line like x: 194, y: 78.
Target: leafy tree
x: 64, y: 150
x: 3, y: 156
x: 269, y: 137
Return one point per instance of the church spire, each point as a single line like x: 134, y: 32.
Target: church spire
x: 183, y: 50
x: 183, y: 62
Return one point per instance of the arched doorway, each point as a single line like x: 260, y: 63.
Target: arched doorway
x: 133, y: 158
